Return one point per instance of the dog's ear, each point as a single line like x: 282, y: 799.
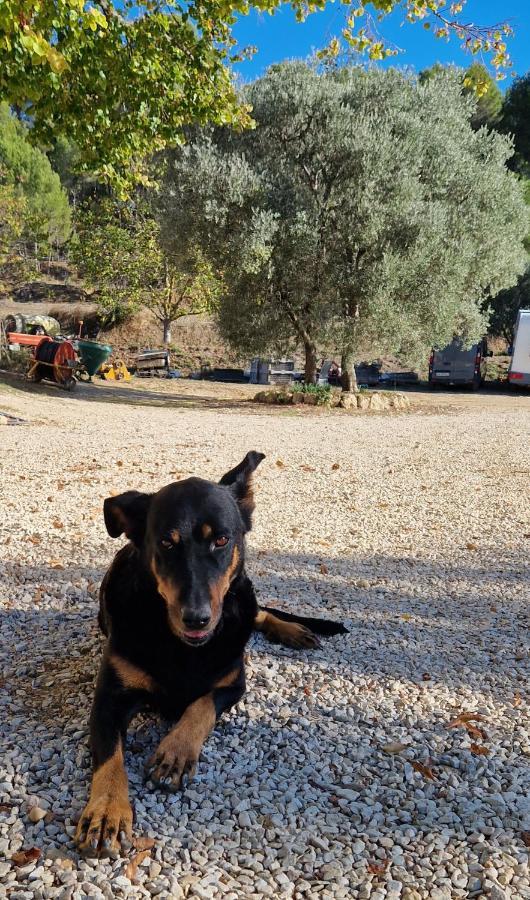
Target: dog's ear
x: 239, y: 480
x: 127, y: 513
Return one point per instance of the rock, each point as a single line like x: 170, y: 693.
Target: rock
x: 36, y: 814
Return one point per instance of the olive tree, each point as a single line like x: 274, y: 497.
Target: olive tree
x: 362, y: 209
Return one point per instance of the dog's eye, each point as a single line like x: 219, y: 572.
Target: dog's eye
x: 167, y: 545
x: 221, y: 541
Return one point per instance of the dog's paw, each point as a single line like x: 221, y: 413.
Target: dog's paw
x: 175, y: 760
x: 291, y: 634
x: 105, y: 826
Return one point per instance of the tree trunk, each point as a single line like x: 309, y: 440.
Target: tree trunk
x: 349, y: 378
x: 310, y: 373
x: 167, y: 331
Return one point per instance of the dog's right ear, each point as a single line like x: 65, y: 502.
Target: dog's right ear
x: 127, y: 513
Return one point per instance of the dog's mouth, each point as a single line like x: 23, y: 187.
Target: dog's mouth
x: 196, y: 638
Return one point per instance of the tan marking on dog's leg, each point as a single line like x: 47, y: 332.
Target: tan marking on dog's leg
x: 131, y: 676
x: 108, y: 811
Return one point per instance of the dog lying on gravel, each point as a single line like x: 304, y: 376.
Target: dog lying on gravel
x: 177, y: 608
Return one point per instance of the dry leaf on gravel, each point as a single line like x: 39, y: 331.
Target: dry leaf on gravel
x: 378, y: 866
x: 426, y: 676
x: 132, y: 867
x: 57, y: 523
x: 35, y: 538
x: 323, y: 569
x: 479, y: 750
x: 471, y: 546
x: 55, y: 564
x: 5, y: 807
x: 280, y: 463
x: 424, y: 770
x: 143, y: 843
x: 335, y: 466
x: 308, y: 468
x: 525, y: 837
x: 23, y: 857
x: 394, y: 747
x: 463, y: 717
x: 517, y: 699
x: 475, y: 732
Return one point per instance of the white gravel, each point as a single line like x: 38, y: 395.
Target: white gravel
x: 419, y: 540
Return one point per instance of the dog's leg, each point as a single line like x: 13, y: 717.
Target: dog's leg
x: 292, y: 634
x: 107, y: 818
x: 178, y: 753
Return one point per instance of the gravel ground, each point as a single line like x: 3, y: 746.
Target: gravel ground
x: 337, y: 776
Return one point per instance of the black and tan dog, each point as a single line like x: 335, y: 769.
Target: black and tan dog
x: 177, y: 609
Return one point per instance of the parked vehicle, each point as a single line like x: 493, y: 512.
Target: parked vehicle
x: 458, y: 365
x: 519, y: 370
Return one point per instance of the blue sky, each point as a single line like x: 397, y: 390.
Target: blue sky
x: 281, y: 37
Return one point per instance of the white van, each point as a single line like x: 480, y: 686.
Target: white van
x: 519, y: 371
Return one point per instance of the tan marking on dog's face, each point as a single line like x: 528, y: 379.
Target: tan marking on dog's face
x: 170, y: 593
x: 175, y: 536
x: 207, y: 531
x: 131, y: 676
x: 219, y: 589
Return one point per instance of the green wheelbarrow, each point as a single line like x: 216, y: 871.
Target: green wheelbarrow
x: 92, y: 355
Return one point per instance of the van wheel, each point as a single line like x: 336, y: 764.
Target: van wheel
x: 476, y: 384
x: 433, y: 386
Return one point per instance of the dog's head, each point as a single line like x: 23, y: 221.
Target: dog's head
x: 191, y: 534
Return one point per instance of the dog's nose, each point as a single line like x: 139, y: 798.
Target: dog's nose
x: 194, y: 620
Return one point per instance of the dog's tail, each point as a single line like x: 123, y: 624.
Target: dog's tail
x: 326, y: 627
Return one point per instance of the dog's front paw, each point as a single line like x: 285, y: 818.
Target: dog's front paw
x: 176, y: 757
x: 105, y: 826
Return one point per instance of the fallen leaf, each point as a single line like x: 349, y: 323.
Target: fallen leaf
x: 119, y: 462
x: 307, y: 691
x: 517, y: 699
x: 471, y: 546
x: 23, y: 857
x: 55, y: 564
x: 475, y: 732
x: 464, y: 717
x: 378, y: 867
x: 35, y: 538
x: 426, y: 676
x: 525, y: 837
x: 61, y: 485
x: 406, y: 616
x: 308, y: 468
x: 295, y: 530
x: 323, y: 569
x: 280, y: 463
x: 38, y: 596
x: 394, y: 747
x: 57, y: 523
x: 132, y: 867
x: 5, y: 807
x: 479, y: 750
x: 335, y: 466
x: 143, y: 843
x: 424, y: 770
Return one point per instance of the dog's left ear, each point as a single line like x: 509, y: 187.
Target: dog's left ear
x: 127, y: 513
x: 239, y: 480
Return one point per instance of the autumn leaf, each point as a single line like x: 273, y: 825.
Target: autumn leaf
x: 23, y: 857
x: 378, y: 867
x: 517, y: 699
x: 308, y: 468
x: 323, y: 569
x: 424, y: 770
x: 143, y: 843
x: 280, y: 463
x: 335, y: 466
x: 479, y: 750
x: 464, y: 717
x: 132, y: 867
x: 55, y: 564
x: 57, y: 523
x: 35, y: 538
x: 307, y: 691
x: 475, y: 732
x: 471, y: 546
